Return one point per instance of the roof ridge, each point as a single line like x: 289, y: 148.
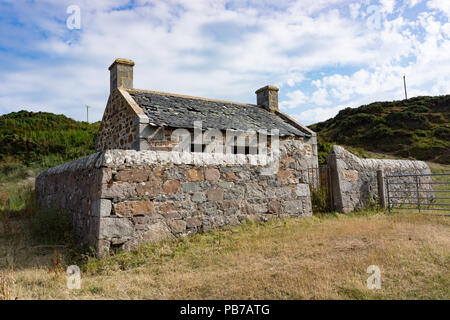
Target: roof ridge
x: 189, y: 97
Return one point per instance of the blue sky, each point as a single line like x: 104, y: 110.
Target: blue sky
x: 324, y: 55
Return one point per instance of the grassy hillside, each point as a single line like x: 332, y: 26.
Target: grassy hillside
x: 44, y: 139
x: 416, y: 128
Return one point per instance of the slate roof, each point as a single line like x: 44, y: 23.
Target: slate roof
x: 177, y: 111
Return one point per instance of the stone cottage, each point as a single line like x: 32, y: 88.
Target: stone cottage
x: 169, y: 165
x: 146, y: 120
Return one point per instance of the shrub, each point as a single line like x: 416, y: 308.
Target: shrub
x: 435, y: 118
x: 323, y: 149
x: 407, y: 120
x: 417, y: 109
x: 344, y: 113
x: 373, y: 108
x: 409, y: 128
x: 379, y: 135
x: 442, y: 133
x: 29, y: 137
x: 427, y: 150
x: 444, y: 157
x: 421, y: 133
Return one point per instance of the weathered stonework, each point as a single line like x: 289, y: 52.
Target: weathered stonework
x: 121, y: 74
x: 118, y: 199
x: 120, y: 124
x: 139, y: 187
x: 267, y: 97
x: 136, y: 119
x: 354, y: 180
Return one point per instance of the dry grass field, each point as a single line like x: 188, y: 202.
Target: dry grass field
x: 325, y: 257
x: 320, y: 258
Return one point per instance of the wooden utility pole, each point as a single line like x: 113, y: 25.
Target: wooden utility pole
x: 87, y: 113
x: 404, y: 84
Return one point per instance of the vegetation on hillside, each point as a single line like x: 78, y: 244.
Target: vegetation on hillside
x: 41, y: 139
x: 416, y: 128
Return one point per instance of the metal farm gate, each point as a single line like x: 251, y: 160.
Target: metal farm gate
x: 429, y: 193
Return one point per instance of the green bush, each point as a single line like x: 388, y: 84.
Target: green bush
x: 442, y: 133
x: 408, y: 128
x: 426, y: 151
x: 344, y: 113
x: 417, y: 109
x: 323, y: 149
x: 374, y: 108
x: 29, y: 137
x: 435, y: 118
x: 407, y: 120
x: 444, y: 157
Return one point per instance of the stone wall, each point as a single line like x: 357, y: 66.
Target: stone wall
x: 76, y: 188
x: 120, y: 198
x: 354, y: 180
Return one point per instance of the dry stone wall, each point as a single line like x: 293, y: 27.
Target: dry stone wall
x: 75, y: 189
x: 354, y: 180
x: 121, y: 198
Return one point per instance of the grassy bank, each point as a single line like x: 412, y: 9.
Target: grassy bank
x: 417, y: 128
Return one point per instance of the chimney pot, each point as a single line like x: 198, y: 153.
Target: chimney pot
x: 267, y: 97
x: 121, y: 74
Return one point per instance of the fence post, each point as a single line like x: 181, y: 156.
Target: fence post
x: 381, y: 188
x: 417, y: 192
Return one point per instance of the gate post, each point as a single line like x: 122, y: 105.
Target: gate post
x: 381, y: 188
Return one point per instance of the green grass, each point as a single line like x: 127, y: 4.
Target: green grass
x: 417, y: 128
x: 41, y: 140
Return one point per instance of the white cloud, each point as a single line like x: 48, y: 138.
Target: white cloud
x: 223, y: 50
x: 296, y: 98
x: 442, y: 5
x: 354, y: 10
x: 320, y: 97
x: 317, y: 114
x: 388, y: 5
x: 412, y: 3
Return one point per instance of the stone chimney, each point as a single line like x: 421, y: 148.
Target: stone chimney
x: 267, y: 97
x: 121, y: 74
